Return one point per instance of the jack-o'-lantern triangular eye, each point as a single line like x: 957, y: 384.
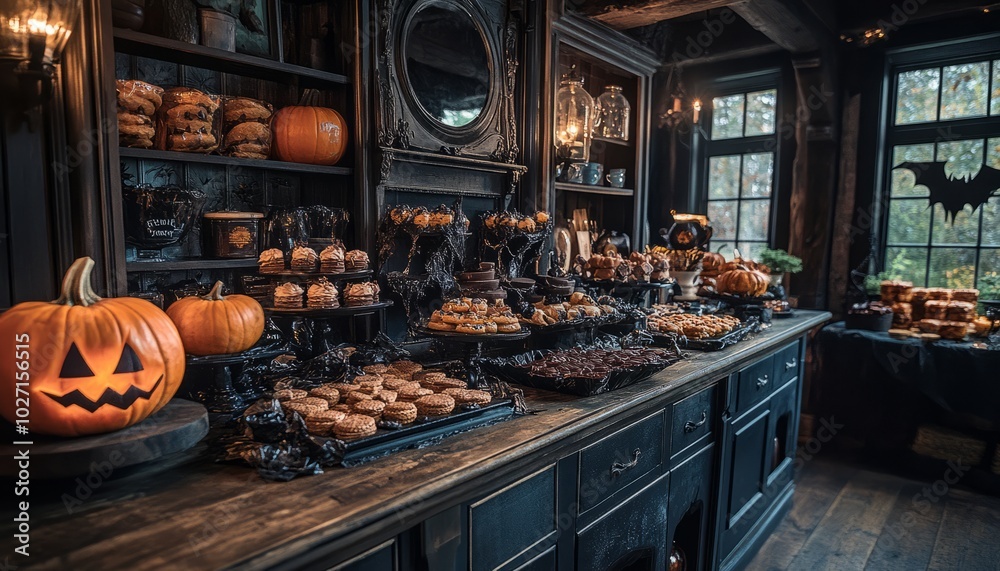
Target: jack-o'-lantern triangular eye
x: 74, y: 366
x: 129, y: 363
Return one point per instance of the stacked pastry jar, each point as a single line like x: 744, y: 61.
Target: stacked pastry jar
x: 246, y: 128
x: 137, y: 105
x: 187, y: 121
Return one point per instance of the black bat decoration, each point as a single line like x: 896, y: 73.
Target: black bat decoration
x: 954, y: 193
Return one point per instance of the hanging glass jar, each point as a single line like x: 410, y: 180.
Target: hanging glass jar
x: 574, y: 119
x: 612, y: 114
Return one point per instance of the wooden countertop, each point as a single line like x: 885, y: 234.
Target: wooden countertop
x: 188, y: 512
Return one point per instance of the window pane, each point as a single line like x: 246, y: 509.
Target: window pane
x: 722, y: 216
x: 952, y: 267
x: 964, y: 90
x: 993, y: 153
x: 758, y: 170
x: 908, y: 264
x: 995, y: 97
x: 750, y: 250
x: 916, y: 153
x: 754, y: 219
x: 964, y: 229
x: 903, y: 180
x: 909, y: 222
x: 724, y: 177
x: 917, y: 96
x: 991, y: 223
x: 989, y: 274
x: 761, y: 112
x: 965, y: 158
x: 727, y: 117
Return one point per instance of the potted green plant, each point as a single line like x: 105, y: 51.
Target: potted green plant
x: 780, y: 263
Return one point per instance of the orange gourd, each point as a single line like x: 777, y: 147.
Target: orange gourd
x: 712, y: 262
x: 307, y: 134
x: 217, y: 325
x: 743, y: 281
x: 90, y: 365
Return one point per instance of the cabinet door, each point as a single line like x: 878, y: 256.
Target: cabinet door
x: 631, y: 537
x: 745, y: 457
x: 690, y: 506
x: 783, y: 435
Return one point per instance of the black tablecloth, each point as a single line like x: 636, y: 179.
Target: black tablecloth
x: 873, y: 368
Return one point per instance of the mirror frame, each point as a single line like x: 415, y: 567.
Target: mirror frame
x: 400, y: 120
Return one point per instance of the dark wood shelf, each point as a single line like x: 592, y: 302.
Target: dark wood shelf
x: 594, y: 189
x: 150, y: 154
x: 191, y: 264
x: 148, y: 45
x: 618, y: 142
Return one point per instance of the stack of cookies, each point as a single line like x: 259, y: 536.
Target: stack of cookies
x: 271, y: 261
x: 331, y: 259
x: 304, y: 259
x: 474, y: 317
x: 356, y: 260
x: 246, y: 128
x: 137, y: 105
x: 322, y: 295
x: 288, y: 296
x: 186, y: 122
x: 362, y: 293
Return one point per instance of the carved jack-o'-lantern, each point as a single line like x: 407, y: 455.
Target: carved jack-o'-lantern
x: 91, y: 365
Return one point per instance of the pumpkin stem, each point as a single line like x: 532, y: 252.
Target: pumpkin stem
x: 310, y: 97
x: 76, y: 286
x: 215, y: 294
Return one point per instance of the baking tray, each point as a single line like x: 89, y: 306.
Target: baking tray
x: 712, y: 343
x: 509, y: 369
x: 424, y: 431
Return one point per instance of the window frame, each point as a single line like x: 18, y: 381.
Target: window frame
x: 704, y: 147
x: 890, y: 135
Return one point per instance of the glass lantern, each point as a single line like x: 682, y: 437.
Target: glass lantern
x: 612, y: 114
x: 33, y: 28
x: 574, y: 119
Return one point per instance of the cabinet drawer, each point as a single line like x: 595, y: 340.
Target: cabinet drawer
x: 620, y: 459
x: 691, y: 420
x: 786, y: 364
x: 755, y: 383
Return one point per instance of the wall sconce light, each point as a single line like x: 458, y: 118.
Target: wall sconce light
x: 679, y: 116
x: 33, y: 34
x: 574, y: 124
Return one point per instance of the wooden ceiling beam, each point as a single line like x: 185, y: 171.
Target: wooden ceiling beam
x: 628, y: 14
x: 787, y: 22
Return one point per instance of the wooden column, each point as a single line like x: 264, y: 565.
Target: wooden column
x: 814, y: 178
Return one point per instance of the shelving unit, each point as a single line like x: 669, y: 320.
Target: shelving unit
x: 274, y: 165
x: 604, y: 57
x: 194, y: 264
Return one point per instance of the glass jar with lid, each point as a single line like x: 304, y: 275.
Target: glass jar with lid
x: 574, y: 119
x: 613, y: 112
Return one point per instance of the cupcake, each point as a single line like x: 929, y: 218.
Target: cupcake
x: 322, y: 295
x: 331, y: 259
x: 356, y: 260
x: 288, y: 296
x: 271, y: 261
x: 304, y: 259
x: 364, y: 293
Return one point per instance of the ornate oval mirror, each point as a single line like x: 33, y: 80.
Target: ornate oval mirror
x: 447, y: 63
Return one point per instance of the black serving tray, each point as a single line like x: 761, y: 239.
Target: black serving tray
x: 575, y: 324
x: 424, y: 431
x: 712, y: 343
x: 342, y: 311
x: 472, y: 338
x: 509, y: 369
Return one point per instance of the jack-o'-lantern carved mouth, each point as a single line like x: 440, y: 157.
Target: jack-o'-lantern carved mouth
x: 109, y: 396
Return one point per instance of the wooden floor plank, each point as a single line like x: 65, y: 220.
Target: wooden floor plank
x: 817, y: 486
x: 969, y: 536
x: 847, y: 534
x: 907, y: 540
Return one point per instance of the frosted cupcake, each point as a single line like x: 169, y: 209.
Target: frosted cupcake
x: 323, y: 295
x: 304, y: 259
x: 331, y: 259
x: 288, y: 296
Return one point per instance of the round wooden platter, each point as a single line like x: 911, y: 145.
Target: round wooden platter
x: 177, y: 426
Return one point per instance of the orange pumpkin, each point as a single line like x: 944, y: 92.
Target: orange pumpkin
x: 711, y: 263
x: 216, y: 325
x: 311, y: 135
x: 89, y: 365
x: 740, y: 263
x: 742, y: 281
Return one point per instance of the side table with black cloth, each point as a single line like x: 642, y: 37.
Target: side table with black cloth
x: 881, y: 389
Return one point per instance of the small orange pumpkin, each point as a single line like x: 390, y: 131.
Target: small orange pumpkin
x: 89, y: 365
x: 743, y: 281
x: 310, y: 135
x: 217, y: 325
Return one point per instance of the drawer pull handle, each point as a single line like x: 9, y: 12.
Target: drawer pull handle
x: 617, y: 468
x: 692, y: 426
x: 762, y: 381
x: 789, y: 365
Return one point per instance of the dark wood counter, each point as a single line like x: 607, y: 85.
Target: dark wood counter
x: 189, y: 512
